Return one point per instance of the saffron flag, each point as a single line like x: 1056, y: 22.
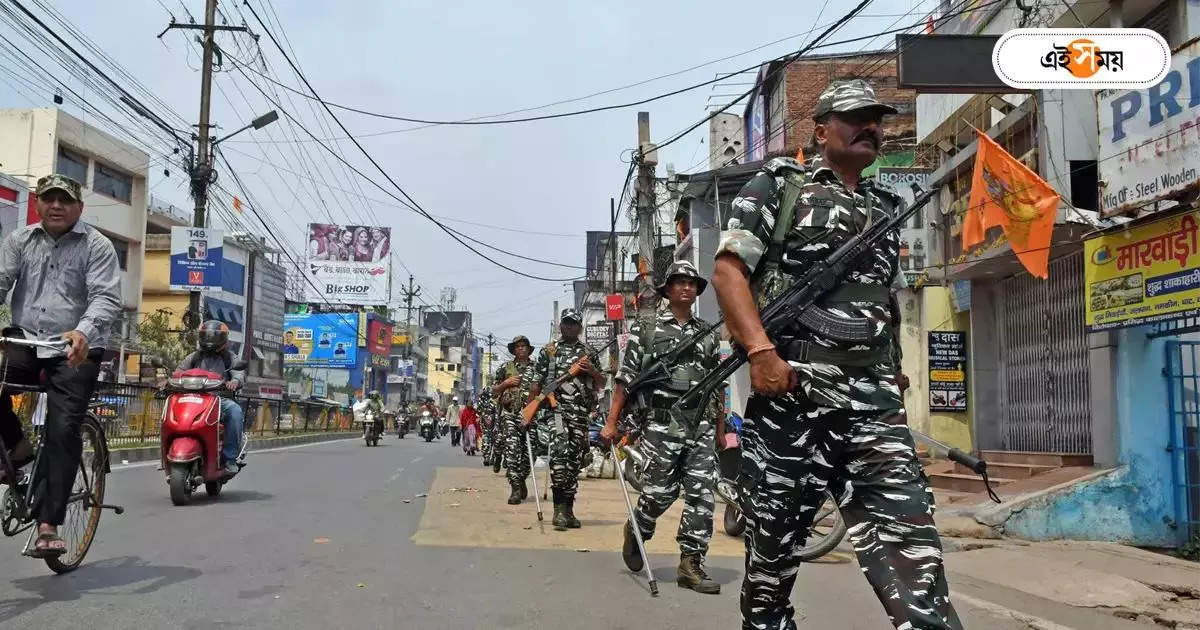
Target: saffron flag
x: 1007, y: 193
x: 237, y: 204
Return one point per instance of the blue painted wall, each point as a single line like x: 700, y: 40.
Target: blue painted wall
x: 1131, y: 504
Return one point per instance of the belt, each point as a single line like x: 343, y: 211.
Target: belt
x: 806, y: 352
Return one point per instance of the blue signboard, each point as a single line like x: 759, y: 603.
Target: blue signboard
x: 196, y: 255
x: 321, y: 339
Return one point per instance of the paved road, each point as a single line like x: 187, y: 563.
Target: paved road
x: 318, y: 536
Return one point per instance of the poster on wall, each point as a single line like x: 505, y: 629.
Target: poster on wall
x: 1143, y: 275
x: 349, y: 263
x: 948, y: 371
x: 596, y: 336
x: 196, y: 259
x: 320, y: 340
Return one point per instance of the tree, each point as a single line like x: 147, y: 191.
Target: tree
x: 159, y: 341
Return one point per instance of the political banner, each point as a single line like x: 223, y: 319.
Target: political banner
x: 320, y: 340
x: 1144, y: 274
x: 348, y: 263
x: 196, y: 259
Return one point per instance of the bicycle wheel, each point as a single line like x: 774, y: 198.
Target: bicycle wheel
x: 827, y: 531
x: 87, y: 494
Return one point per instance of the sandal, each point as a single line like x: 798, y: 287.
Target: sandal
x: 42, y: 548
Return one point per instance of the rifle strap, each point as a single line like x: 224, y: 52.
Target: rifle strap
x: 793, y: 185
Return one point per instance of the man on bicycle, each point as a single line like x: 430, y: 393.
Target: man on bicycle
x: 65, y: 283
x: 214, y: 356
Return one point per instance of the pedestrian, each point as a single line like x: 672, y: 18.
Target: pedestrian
x: 679, y: 458
x: 568, y: 424
x: 511, y: 390
x: 469, y: 423
x: 453, y: 417
x: 825, y: 411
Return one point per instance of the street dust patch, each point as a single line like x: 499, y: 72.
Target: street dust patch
x: 482, y: 517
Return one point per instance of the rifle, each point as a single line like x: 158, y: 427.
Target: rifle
x: 802, y: 294
x: 530, y: 409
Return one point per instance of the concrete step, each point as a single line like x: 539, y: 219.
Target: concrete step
x: 1008, y: 471
x: 964, y: 483
x: 1036, y: 458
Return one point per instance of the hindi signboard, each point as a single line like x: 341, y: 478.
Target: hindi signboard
x: 948, y: 371
x: 196, y: 259
x: 1142, y: 275
x: 349, y: 263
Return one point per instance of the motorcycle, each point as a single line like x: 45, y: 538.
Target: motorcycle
x: 427, y: 426
x: 192, y: 434
x: 402, y: 425
x: 824, y: 535
x: 371, y: 432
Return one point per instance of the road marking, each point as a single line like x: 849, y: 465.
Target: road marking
x: 417, y: 459
x: 155, y: 462
x: 397, y: 475
x: 1034, y: 622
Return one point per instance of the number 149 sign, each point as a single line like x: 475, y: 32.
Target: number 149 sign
x: 196, y: 258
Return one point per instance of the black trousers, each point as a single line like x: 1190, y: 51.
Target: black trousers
x: 68, y: 391
x: 455, y: 435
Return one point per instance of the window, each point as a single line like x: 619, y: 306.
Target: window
x: 113, y: 183
x: 72, y: 165
x: 122, y: 248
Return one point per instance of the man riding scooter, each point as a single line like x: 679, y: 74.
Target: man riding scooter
x: 375, y: 406
x: 214, y: 356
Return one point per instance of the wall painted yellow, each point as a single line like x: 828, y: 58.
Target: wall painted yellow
x: 440, y: 380
x: 937, y: 313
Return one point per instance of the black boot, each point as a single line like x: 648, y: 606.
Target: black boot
x: 693, y: 576
x: 496, y: 462
x: 629, y: 551
x: 569, y: 508
x: 524, y: 490
x: 560, y: 517
x: 518, y: 493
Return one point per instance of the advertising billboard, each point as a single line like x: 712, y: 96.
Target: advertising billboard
x: 196, y: 259
x: 915, y: 236
x: 348, y: 263
x: 1143, y: 275
x: 320, y: 340
x: 379, y: 338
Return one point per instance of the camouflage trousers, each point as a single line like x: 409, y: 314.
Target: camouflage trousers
x: 493, y: 440
x: 792, y: 451
x: 678, y: 460
x: 516, y: 457
x: 568, y: 441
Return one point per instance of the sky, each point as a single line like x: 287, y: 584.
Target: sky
x: 449, y: 61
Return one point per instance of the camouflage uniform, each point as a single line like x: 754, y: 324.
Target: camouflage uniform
x: 511, y: 402
x: 844, y: 427
x: 569, y: 422
x: 490, y: 424
x: 678, y: 458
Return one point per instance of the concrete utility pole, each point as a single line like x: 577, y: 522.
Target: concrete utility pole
x: 410, y: 294
x: 647, y: 161
x: 491, y: 356
x: 554, y: 321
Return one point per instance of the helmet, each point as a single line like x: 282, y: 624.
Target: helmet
x: 374, y: 393
x: 213, y: 336
x: 682, y: 269
x: 455, y: 398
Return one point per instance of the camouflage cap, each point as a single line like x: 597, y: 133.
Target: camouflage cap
x: 570, y: 314
x: 848, y: 96
x: 61, y: 182
x: 512, y: 345
x: 682, y: 269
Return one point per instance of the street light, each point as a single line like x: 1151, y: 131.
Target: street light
x: 257, y: 123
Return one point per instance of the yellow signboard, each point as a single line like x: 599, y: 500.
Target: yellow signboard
x: 951, y: 376
x: 399, y: 339
x: 1142, y: 275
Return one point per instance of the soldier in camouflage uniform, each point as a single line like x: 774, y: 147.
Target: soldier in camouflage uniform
x: 569, y: 421
x: 678, y: 458
x: 826, y: 412
x: 511, y: 390
x: 486, y: 407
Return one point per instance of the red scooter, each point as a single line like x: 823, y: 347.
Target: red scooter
x: 192, y: 434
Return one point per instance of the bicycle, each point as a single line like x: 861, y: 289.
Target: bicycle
x: 21, y: 496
